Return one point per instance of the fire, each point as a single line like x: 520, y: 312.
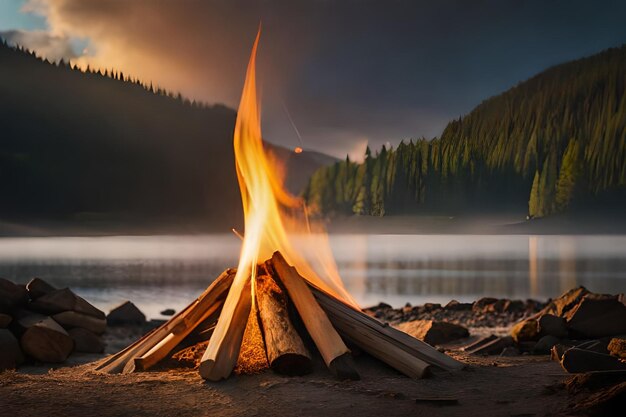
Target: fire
x: 298, y: 149
x: 274, y: 219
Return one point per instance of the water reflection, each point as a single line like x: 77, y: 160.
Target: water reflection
x: 158, y: 272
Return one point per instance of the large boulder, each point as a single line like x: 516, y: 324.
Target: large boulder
x: 72, y: 319
x: 561, y: 305
x: 525, y: 330
x: 37, y: 287
x: 10, y: 353
x: 86, y: 341
x: 126, y: 313
x: 434, y: 332
x: 12, y: 296
x: 596, y: 317
x: 58, y: 301
x: 550, y: 325
x: 577, y: 360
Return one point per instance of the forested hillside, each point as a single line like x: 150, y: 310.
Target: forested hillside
x: 554, y: 143
x: 86, y: 146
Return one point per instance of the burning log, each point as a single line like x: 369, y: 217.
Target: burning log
x: 221, y: 355
x: 286, y: 352
x: 398, y: 349
x: 178, y: 327
x: 333, y: 350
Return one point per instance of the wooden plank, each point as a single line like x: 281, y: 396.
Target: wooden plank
x: 221, y: 355
x: 117, y: 362
x: 286, y: 352
x: 326, y: 338
x: 398, y: 349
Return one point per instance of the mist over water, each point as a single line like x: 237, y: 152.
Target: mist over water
x: 158, y: 272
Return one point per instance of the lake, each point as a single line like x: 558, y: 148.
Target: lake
x: 157, y: 272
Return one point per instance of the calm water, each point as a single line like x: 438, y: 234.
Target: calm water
x: 157, y: 272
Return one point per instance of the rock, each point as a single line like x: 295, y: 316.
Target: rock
x: 86, y: 341
x: 168, y: 312
x: 597, y: 346
x: 494, y: 347
x: 480, y: 305
x: 617, y: 347
x: 5, y: 320
x: 510, y: 351
x: 45, y: 340
x: 434, y: 332
x: 577, y: 360
x: 12, y: 296
x: 565, y: 302
x: 37, y: 287
x: 595, y: 318
x: 126, y: 313
x: 549, y: 324
x: 525, y: 330
x: 428, y: 307
x: 71, y: 319
x: 514, y: 306
x: 58, y: 301
x: 454, y: 305
x: 10, y: 353
x: 545, y: 344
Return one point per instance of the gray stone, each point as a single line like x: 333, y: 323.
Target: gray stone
x: 71, y: 319
x: 434, y: 332
x: 10, y: 353
x: 58, y: 301
x: 86, y: 341
x: 37, y: 287
x: 549, y: 324
x: 595, y: 318
x: 545, y: 344
x: 126, y: 313
x: 168, y: 312
x: 12, y: 296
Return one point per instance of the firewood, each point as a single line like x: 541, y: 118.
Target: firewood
x: 45, y: 340
x: 61, y: 300
x: 71, y: 319
x: 286, y: 352
x: 398, y: 349
x: 221, y: 354
x: 37, y: 287
x: 326, y: 338
x: 116, y: 363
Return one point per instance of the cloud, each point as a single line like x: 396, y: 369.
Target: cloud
x: 54, y: 48
x: 346, y: 70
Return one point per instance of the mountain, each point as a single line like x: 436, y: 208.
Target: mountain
x: 554, y: 143
x: 100, y: 149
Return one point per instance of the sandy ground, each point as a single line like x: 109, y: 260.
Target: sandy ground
x: 490, y: 386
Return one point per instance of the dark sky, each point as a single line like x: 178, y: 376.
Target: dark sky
x: 349, y: 72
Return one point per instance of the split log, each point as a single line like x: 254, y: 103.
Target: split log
x: 286, y: 352
x: 116, y: 363
x: 330, y: 345
x: 221, y: 354
x: 58, y: 301
x: 12, y: 296
x: 86, y: 341
x: 10, y: 353
x: 398, y: 349
x: 71, y: 319
x: 577, y: 360
x: 45, y: 340
x: 37, y: 287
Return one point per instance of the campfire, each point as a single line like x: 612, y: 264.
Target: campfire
x: 294, y: 296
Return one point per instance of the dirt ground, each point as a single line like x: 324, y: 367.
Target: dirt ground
x: 490, y: 386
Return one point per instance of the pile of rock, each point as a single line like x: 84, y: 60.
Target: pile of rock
x: 582, y: 330
x: 46, y: 324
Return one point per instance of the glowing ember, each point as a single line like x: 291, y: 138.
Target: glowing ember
x: 298, y: 149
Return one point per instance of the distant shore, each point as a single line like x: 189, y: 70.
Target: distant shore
x: 491, y: 224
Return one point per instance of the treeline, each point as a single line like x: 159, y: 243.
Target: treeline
x: 556, y: 142
x: 100, y: 148
x: 107, y: 73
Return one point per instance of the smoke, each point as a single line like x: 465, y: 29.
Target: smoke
x: 53, y: 48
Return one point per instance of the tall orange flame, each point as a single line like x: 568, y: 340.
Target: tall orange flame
x: 272, y: 215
